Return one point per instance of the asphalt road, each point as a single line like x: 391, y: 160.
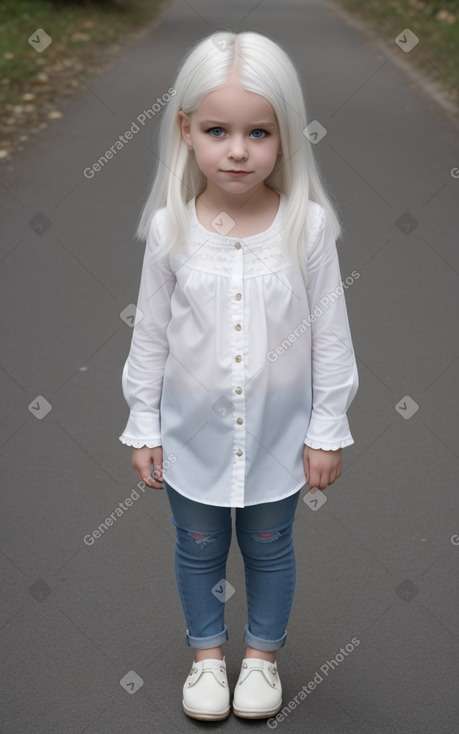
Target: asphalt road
x: 92, y: 635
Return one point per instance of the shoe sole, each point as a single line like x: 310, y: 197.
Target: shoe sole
x: 206, y: 716
x: 246, y: 714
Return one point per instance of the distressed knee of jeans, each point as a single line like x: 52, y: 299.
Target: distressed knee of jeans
x: 266, y: 537
x: 201, y: 539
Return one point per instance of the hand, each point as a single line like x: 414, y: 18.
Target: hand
x: 142, y: 459
x: 321, y: 467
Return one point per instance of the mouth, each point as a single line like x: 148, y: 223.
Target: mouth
x: 233, y: 172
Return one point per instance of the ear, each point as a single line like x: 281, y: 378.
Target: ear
x: 184, y: 123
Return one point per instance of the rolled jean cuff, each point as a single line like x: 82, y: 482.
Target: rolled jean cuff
x: 265, y: 645
x: 203, y: 643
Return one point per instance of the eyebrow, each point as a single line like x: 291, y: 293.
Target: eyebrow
x: 257, y: 124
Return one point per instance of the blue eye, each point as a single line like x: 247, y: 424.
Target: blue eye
x: 214, y: 128
x: 256, y: 130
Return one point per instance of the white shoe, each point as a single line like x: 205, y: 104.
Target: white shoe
x: 258, y: 692
x: 206, y: 692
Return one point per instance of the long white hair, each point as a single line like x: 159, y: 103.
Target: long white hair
x: 261, y: 67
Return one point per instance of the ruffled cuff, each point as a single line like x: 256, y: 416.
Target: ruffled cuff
x: 328, y: 434
x: 142, y: 429
x: 139, y: 443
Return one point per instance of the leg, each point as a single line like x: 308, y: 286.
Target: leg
x: 203, y: 537
x: 265, y: 537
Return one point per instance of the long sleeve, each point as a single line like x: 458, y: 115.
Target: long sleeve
x: 334, y: 369
x: 143, y: 370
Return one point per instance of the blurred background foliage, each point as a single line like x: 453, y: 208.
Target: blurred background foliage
x: 435, y: 23
x: 79, y: 30
x: 86, y: 35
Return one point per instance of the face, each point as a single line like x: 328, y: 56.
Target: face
x: 233, y: 130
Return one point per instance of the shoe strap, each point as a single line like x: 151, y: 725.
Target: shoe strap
x: 210, y: 665
x: 268, y: 669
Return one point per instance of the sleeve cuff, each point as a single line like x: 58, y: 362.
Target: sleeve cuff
x: 142, y: 429
x: 328, y: 434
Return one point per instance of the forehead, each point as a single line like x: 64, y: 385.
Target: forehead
x: 232, y: 102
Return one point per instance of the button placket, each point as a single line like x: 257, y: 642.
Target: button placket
x: 237, y: 347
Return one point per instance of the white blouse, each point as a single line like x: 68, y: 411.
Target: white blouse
x: 235, y: 364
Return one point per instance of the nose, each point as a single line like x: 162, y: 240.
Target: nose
x: 237, y: 148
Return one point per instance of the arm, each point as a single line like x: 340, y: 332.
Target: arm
x: 334, y: 370
x: 143, y: 370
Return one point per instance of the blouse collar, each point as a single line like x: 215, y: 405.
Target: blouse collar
x: 273, y: 229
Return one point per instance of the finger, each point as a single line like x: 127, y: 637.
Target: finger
x: 314, y: 478
x: 153, y: 482
x: 158, y: 472
x: 156, y: 485
x: 322, y: 481
x: 335, y: 474
x: 143, y: 472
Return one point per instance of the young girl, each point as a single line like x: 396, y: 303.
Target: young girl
x: 241, y: 367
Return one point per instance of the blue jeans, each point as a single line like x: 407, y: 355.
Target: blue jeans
x: 265, y: 537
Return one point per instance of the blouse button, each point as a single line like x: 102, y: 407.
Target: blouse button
x: 238, y: 245
x: 239, y: 452
x: 238, y: 358
x: 239, y: 420
x: 238, y: 327
x: 238, y: 390
x: 238, y: 296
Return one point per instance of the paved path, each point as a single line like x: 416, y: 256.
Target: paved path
x: 378, y: 561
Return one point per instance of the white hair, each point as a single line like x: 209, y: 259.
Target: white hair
x: 263, y: 68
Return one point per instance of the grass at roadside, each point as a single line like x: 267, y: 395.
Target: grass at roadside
x: 84, y: 36
x: 436, y: 24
